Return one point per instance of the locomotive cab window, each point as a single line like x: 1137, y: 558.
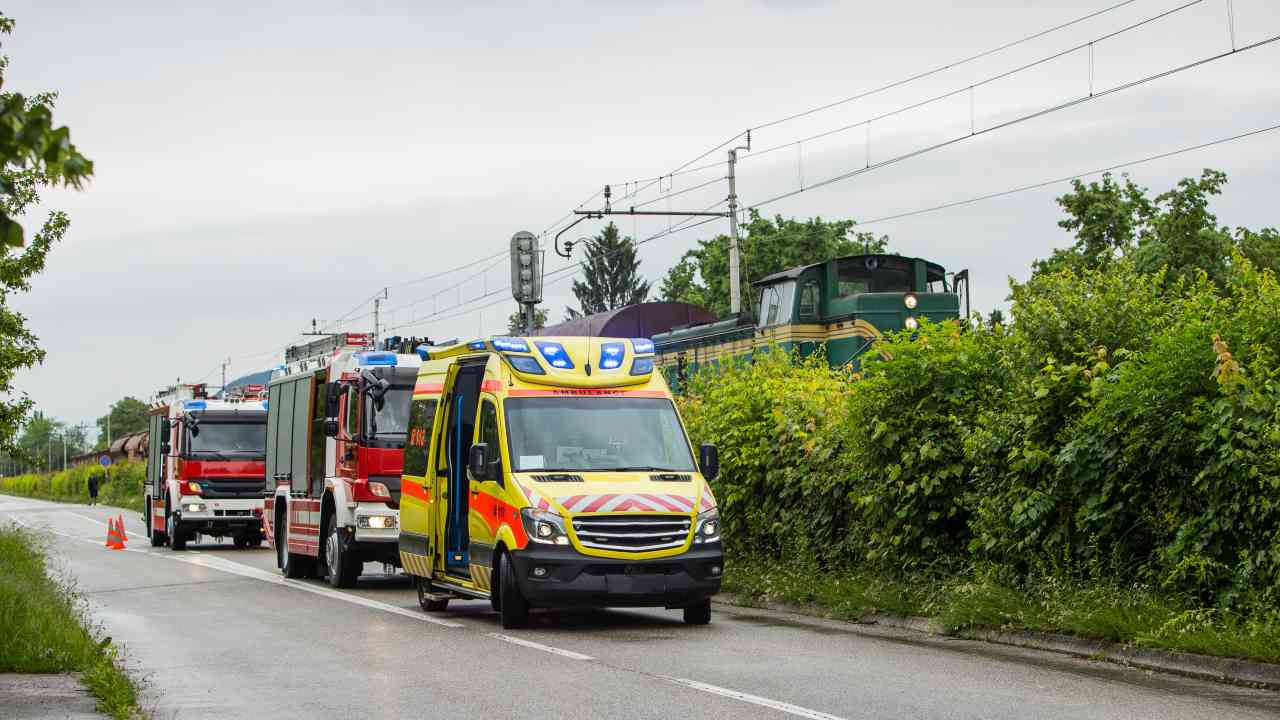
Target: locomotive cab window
x: 872, y: 274
x: 776, y: 302
x: 810, y: 295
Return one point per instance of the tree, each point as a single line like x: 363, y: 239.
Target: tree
x: 515, y: 321
x: 995, y: 318
x: 701, y: 277
x: 34, y: 153
x: 610, y: 277
x: 1174, y: 230
x: 37, y: 439
x: 128, y: 415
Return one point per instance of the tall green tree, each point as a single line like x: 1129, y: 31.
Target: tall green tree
x: 40, y: 434
x: 34, y: 153
x: 515, y: 321
x: 128, y: 415
x: 767, y: 246
x: 1176, y: 230
x: 610, y: 275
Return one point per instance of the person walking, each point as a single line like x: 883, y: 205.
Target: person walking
x: 93, y: 488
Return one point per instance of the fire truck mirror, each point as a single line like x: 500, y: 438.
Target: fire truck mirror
x: 333, y: 392
x: 331, y: 427
x: 165, y: 427
x: 478, y: 462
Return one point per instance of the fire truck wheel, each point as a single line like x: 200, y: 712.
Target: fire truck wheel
x: 428, y: 604
x: 515, y: 609
x: 155, y: 536
x: 341, y: 568
x: 176, y: 533
x: 699, y: 613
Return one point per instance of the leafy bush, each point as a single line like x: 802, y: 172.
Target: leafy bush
x: 123, y: 489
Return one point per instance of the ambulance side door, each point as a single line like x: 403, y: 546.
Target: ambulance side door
x: 485, y: 495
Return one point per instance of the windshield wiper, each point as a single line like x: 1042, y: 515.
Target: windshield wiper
x: 641, y: 468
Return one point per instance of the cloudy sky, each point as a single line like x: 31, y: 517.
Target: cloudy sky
x: 260, y: 165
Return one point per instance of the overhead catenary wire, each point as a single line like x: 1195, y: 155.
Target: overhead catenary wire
x: 1014, y: 121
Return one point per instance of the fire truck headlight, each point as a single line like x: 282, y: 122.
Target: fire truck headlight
x: 193, y: 487
x: 379, y: 489
x: 376, y: 522
x: 708, y: 527
x: 543, y: 526
x: 193, y: 507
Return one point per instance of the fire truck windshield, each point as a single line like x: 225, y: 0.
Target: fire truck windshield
x: 228, y: 439
x: 585, y: 433
x: 392, y: 421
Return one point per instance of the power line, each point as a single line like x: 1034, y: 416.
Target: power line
x: 1015, y: 121
x: 981, y: 83
x: 1066, y: 178
x: 948, y: 66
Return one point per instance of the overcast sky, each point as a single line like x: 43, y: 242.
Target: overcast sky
x: 262, y: 164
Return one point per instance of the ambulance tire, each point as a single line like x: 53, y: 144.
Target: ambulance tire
x: 698, y: 613
x: 427, y: 604
x: 515, y: 609
x: 340, y: 568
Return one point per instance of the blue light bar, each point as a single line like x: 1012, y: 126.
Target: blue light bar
x: 423, y: 352
x: 476, y: 345
x: 264, y: 404
x: 525, y: 364
x: 611, y: 355
x: 510, y: 344
x: 376, y: 358
x: 195, y: 405
x: 642, y: 346
x: 642, y: 366
x: 555, y: 354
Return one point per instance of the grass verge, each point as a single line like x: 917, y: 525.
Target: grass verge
x: 122, y: 490
x: 1134, y: 615
x: 45, y: 627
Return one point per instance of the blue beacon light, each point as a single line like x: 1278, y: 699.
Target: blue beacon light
x: 555, y: 355
x: 611, y: 355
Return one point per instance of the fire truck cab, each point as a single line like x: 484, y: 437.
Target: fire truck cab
x: 337, y: 420
x: 556, y: 472
x: 205, y: 472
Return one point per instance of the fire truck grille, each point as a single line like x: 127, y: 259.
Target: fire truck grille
x: 633, y: 533
x: 222, y: 488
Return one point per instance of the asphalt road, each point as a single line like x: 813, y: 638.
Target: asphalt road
x: 215, y: 632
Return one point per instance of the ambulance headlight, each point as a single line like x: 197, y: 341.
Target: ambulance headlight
x: 708, y: 527
x: 544, y: 526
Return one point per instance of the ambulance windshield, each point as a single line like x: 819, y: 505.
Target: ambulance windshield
x: 582, y: 434
x: 239, y: 440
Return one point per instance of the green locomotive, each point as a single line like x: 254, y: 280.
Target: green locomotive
x: 843, y: 304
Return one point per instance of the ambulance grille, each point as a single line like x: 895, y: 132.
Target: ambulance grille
x: 632, y: 533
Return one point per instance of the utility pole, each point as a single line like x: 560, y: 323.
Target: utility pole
x: 109, y: 429
x: 735, y: 281
x: 377, y: 305
x: 225, y: 363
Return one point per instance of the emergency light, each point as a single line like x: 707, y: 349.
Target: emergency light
x: 611, y: 355
x: 195, y: 405
x: 376, y: 358
x: 423, y: 352
x: 525, y: 364
x: 555, y: 354
x: 642, y: 366
x: 476, y: 345
x: 510, y: 344
x: 642, y: 346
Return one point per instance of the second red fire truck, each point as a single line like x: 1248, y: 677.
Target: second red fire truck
x: 205, y: 467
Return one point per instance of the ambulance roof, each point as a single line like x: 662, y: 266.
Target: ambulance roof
x: 579, y: 362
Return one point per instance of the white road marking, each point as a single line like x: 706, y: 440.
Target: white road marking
x: 539, y: 646
x: 217, y: 563
x: 753, y: 699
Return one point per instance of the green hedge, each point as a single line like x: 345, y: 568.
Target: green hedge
x: 124, y: 489
x: 1124, y: 426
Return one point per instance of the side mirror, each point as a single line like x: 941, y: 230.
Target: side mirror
x: 709, y: 461
x: 331, y: 427
x: 478, y: 461
x: 332, y: 393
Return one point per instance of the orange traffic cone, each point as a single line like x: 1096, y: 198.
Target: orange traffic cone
x: 114, y: 541
x: 124, y: 537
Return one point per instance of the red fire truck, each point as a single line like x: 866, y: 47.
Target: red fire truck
x: 337, y: 420
x: 205, y: 470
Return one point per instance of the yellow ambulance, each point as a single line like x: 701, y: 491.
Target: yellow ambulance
x: 555, y: 472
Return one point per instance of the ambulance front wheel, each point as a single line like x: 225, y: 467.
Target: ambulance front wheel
x: 515, y: 609
x: 699, y: 613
